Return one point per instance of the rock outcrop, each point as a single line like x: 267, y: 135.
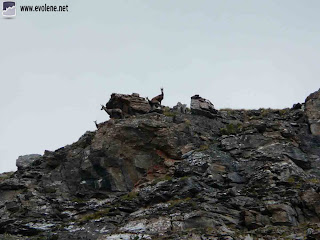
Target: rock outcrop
x: 180, y: 108
x: 201, y: 106
x: 129, y: 105
x: 27, y: 161
x: 312, y: 108
x: 243, y: 174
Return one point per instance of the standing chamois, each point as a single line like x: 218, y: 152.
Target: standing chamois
x: 158, y: 98
x: 113, y: 112
x: 156, y: 101
x: 98, y: 125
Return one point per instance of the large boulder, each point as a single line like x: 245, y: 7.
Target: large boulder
x: 312, y: 109
x: 201, y: 106
x: 129, y: 104
x: 27, y: 160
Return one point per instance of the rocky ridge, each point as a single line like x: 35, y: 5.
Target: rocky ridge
x: 191, y: 174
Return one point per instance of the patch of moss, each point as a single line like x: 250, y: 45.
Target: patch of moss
x: 291, y: 180
x: 7, y: 236
x: 173, y: 203
x: 6, y: 175
x: 169, y: 114
x: 231, y: 129
x: 95, y: 215
x: 187, y: 122
x: 202, y: 148
x: 265, y: 111
x: 78, y: 200
x: 229, y: 111
x: 184, y: 177
x: 283, y: 112
x: 295, y: 181
x: 166, y: 109
x: 160, y: 179
x: 130, y: 196
x: 314, y: 180
x: 298, y: 185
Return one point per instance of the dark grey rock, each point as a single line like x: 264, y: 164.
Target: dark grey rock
x: 312, y: 109
x: 236, y: 178
x: 180, y: 108
x: 27, y: 160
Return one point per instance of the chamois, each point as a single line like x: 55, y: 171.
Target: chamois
x: 95, y: 122
x: 113, y: 112
x: 153, y: 102
x: 98, y: 125
x: 156, y: 101
x: 158, y: 98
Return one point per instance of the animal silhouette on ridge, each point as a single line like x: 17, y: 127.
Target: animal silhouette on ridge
x: 156, y: 101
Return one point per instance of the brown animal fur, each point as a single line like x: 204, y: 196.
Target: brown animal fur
x: 158, y: 98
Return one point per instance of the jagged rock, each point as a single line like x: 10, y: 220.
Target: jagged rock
x: 253, y: 219
x: 12, y: 206
x: 297, y: 106
x: 312, y: 109
x: 244, y: 142
x: 195, y: 163
x: 181, y: 108
x: 201, y: 106
x: 311, y: 198
x: 236, y: 178
x: 11, y: 184
x: 129, y: 104
x: 282, y: 214
x: 27, y: 160
x: 278, y: 151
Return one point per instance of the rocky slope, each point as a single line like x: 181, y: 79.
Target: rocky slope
x: 177, y: 174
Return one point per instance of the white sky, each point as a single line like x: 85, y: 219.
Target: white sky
x: 56, y: 68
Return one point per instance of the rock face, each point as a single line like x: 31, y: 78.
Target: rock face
x: 129, y: 104
x: 27, y: 160
x: 203, y: 107
x: 312, y: 108
x: 244, y: 174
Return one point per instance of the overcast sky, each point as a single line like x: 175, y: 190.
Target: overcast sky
x: 56, y: 68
